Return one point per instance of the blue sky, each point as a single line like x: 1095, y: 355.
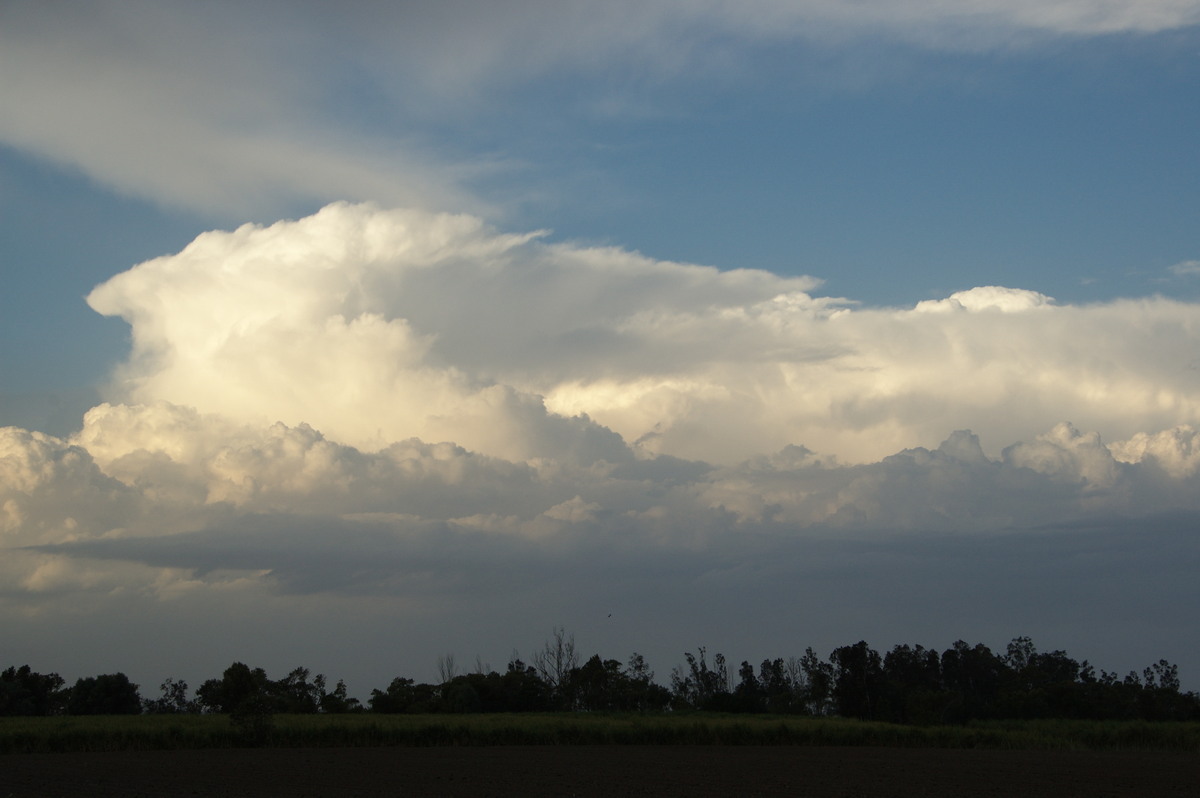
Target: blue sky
x: 859, y: 158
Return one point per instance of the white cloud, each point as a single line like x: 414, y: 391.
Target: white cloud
x: 208, y: 107
x: 1185, y: 268
x: 377, y: 377
x: 985, y: 298
x: 199, y: 503
x: 375, y: 326
x: 51, y: 491
x: 184, y: 515
x: 429, y: 424
x: 348, y: 409
x: 1177, y: 451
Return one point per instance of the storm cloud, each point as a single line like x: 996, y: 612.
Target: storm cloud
x: 403, y: 406
x: 403, y: 421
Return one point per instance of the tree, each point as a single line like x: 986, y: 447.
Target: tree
x: 1162, y: 675
x: 461, y: 694
x: 556, y: 660
x: 1020, y: 652
x: 295, y: 694
x: 173, y: 701
x: 594, y: 686
x: 447, y: 669
x: 643, y: 694
x: 26, y: 692
x: 972, y: 675
x: 748, y: 696
x: 818, y: 683
x: 701, y: 687
x: 238, y: 685
x: 602, y: 685
x: 338, y: 702
x: 522, y: 689
x: 912, y: 690
x: 857, y: 680
x: 245, y: 695
x: 638, y: 669
x: 777, y: 686
x: 107, y: 694
x: 404, y: 695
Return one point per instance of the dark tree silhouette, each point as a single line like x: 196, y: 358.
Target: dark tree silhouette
x: 911, y: 684
x: 26, y: 692
x: 972, y: 677
x: 173, y: 701
x: 857, y: 680
x: 107, y: 694
x: 603, y: 685
x: 701, y: 687
x: 912, y: 691
x: 818, y: 678
x: 554, y: 663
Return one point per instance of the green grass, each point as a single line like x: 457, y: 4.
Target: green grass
x: 167, y: 732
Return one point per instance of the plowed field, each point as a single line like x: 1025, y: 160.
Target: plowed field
x: 691, y: 771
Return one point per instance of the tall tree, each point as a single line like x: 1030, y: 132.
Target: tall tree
x: 912, y: 685
x: 857, y: 680
x: 973, y: 676
x: 818, y: 683
x: 555, y: 661
x: 701, y: 686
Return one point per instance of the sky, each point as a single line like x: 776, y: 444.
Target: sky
x: 354, y: 336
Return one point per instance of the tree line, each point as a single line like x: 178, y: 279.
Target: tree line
x: 908, y: 684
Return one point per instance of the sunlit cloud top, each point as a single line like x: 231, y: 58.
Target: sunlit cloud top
x: 376, y: 326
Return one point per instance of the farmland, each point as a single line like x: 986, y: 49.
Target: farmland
x: 590, y: 754
x: 179, y: 732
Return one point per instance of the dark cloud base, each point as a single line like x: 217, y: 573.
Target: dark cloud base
x: 1117, y: 593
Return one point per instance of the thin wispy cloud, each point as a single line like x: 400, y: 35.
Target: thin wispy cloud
x: 254, y: 108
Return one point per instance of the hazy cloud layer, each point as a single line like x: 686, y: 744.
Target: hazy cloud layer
x: 305, y: 548
x: 176, y: 490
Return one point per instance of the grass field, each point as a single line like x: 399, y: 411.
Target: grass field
x: 176, y: 732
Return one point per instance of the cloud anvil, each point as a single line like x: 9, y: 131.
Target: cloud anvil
x: 365, y: 401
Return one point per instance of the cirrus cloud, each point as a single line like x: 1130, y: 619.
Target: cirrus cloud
x: 212, y: 106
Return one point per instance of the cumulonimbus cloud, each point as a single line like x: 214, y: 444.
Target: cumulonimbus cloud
x: 369, y: 409
x: 416, y: 406
x: 376, y: 325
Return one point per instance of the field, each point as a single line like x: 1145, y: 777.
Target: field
x: 179, y: 732
x: 590, y: 755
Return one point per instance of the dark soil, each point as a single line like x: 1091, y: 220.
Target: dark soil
x: 561, y: 771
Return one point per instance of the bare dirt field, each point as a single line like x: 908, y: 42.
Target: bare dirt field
x: 692, y: 771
